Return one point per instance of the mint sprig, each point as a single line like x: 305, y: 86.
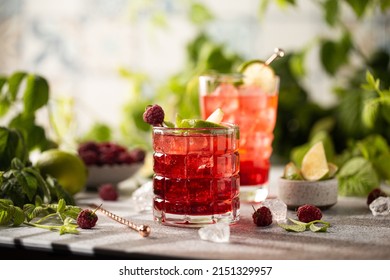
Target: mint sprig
x: 298, y: 226
x: 55, y: 217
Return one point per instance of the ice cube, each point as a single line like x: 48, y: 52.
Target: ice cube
x: 143, y: 197
x: 380, y: 206
x: 219, y: 232
x: 278, y: 209
x: 226, y: 89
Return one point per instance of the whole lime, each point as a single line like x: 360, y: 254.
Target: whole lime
x: 68, y: 168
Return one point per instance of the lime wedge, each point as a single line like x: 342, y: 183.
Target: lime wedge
x: 292, y: 172
x: 333, y: 168
x: 314, y: 163
x: 195, y: 123
x: 256, y: 72
x: 216, y: 116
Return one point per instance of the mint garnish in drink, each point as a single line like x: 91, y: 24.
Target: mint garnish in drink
x: 155, y: 116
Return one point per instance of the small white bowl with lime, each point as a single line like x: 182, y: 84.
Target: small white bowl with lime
x: 314, y: 182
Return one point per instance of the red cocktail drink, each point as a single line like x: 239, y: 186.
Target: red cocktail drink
x: 255, y: 112
x: 196, y: 179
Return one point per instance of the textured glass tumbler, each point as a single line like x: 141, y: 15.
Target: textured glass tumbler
x: 196, y: 180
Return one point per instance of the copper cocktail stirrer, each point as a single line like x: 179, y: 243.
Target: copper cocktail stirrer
x: 143, y: 230
x: 277, y: 53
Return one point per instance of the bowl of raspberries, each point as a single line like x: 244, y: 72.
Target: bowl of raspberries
x: 109, y: 162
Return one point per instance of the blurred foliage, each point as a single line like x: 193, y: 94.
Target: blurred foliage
x: 358, y: 113
x: 22, y: 95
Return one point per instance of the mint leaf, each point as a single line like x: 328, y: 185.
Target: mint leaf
x: 357, y: 177
x: 14, y: 82
x: 36, y: 94
x: 314, y: 228
x: 370, y: 112
x: 293, y: 228
x: 299, y: 226
x: 19, y: 217
x: 61, y: 206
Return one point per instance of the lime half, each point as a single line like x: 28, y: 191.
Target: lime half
x: 314, y: 164
x: 256, y: 72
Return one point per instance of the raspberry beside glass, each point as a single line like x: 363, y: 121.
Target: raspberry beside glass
x: 255, y: 112
x: 196, y: 179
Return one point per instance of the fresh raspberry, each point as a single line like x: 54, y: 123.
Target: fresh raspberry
x: 308, y: 213
x: 88, y: 146
x: 125, y: 158
x: 154, y: 115
x: 87, y: 219
x: 374, y: 194
x: 108, y: 192
x: 89, y: 157
x: 262, y: 217
x: 137, y: 154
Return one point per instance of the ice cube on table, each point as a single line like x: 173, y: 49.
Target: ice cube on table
x: 278, y: 209
x: 380, y: 206
x: 143, y: 197
x: 219, y: 232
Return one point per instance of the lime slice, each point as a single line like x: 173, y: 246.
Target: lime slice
x: 195, y: 123
x: 333, y: 168
x: 314, y: 163
x: 216, y: 116
x: 292, y: 172
x: 256, y: 72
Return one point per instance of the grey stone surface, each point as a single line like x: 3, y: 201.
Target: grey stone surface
x: 354, y: 234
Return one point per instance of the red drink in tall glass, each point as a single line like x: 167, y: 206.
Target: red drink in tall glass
x: 196, y: 180
x: 255, y: 112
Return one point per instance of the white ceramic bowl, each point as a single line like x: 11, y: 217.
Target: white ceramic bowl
x: 295, y: 193
x: 98, y: 175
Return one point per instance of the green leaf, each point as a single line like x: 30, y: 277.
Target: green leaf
x: 372, y: 83
x: 357, y: 177
x: 385, y: 107
x: 334, y: 54
x: 14, y: 82
x: 5, y: 105
x: 5, y: 216
x: 32, y: 184
x: 385, y: 4
x: 297, y: 65
x: 19, y: 217
x: 373, y: 146
x: 36, y: 94
x: 285, y: 3
x: 293, y: 228
x: 57, y: 192
x: 382, y: 165
x: 358, y: 6
x: 370, y: 112
x: 61, y: 206
x: 3, y: 80
x: 29, y: 212
x: 11, y: 146
x: 298, y: 222
x: 199, y: 14
x: 314, y: 228
x: 263, y: 6
x: 27, y: 191
x: 43, y: 186
x: 331, y: 10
